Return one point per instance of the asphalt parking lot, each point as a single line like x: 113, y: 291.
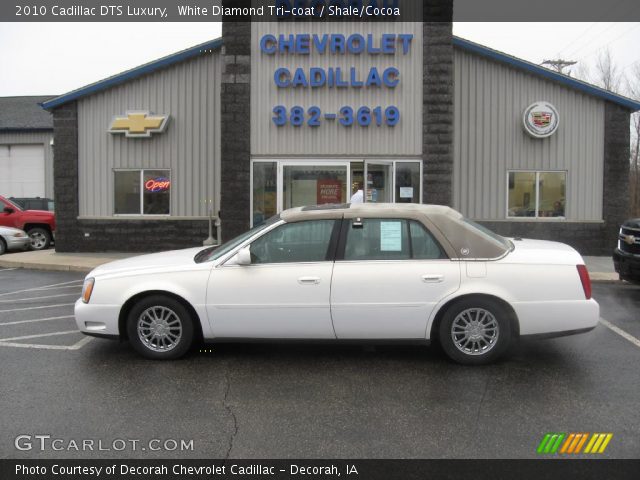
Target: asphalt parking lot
x: 309, y: 401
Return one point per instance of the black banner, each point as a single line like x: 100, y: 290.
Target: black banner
x: 319, y: 10
x: 561, y: 469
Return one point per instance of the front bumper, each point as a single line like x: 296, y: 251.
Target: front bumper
x: 18, y: 243
x: 97, y: 320
x: 627, y: 265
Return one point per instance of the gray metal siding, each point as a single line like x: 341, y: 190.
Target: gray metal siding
x: 490, y: 99
x: 331, y: 139
x: 35, y: 138
x: 190, y: 93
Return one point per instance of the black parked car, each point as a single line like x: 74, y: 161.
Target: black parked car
x: 34, y: 203
x: 626, y: 258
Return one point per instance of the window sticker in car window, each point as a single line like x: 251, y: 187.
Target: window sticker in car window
x: 391, y: 236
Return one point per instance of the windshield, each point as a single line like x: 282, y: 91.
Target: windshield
x: 13, y: 205
x: 216, y: 252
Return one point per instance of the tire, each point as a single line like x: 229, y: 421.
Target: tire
x: 481, y: 346
x: 173, y: 321
x: 3, y: 247
x: 40, y: 238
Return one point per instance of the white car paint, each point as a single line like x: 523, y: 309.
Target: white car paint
x: 344, y: 300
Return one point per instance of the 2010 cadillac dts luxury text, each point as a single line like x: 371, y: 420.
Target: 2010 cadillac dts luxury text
x: 346, y: 272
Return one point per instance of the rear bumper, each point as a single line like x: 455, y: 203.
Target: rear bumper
x: 627, y: 265
x: 559, y: 318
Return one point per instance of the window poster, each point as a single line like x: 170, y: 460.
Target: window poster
x: 391, y: 236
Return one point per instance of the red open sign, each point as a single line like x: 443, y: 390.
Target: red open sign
x: 160, y: 184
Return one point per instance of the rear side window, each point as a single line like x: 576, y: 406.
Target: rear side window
x: 377, y: 239
x: 424, y: 246
x: 390, y: 239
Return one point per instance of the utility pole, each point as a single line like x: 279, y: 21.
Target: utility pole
x: 559, y: 65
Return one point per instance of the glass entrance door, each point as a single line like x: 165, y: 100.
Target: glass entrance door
x: 378, y: 186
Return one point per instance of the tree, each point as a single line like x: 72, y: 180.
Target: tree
x: 607, y: 73
x: 633, y: 88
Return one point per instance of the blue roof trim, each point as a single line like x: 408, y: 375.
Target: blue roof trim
x: 133, y: 73
x: 546, y: 73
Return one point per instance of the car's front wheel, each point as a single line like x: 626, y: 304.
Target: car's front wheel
x: 160, y: 328
x: 3, y: 246
x: 475, y: 331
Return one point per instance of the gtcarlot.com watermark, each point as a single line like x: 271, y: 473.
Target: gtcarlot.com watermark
x: 43, y: 443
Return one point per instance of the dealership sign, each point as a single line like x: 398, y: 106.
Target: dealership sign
x: 541, y: 120
x: 138, y: 124
x: 313, y: 78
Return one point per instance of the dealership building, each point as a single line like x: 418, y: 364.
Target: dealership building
x: 275, y: 115
x: 26, y: 148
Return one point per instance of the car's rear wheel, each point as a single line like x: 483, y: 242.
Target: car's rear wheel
x: 40, y: 238
x: 160, y: 328
x: 475, y: 331
x: 3, y: 247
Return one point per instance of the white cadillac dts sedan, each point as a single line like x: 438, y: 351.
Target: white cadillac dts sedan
x: 346, y: 272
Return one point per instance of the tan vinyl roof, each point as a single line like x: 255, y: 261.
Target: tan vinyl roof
x: 460, y: 239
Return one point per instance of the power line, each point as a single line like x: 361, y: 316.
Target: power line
x: 603, y: 47
x: 579, y: 36
x: 589, y: 42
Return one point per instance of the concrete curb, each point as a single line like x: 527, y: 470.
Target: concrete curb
x: 41, y: 266
x: 64, y: 262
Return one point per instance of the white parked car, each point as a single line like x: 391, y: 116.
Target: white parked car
x: 346, y: 272
x: 13, y: 239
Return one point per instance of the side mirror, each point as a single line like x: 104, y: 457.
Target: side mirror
x: 243, y: 257
x: 8, y: 210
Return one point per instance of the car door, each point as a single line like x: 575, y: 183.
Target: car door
x: 388, y: 277
x: 285, y: 292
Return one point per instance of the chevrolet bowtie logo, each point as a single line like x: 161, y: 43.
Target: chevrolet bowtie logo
x: 139, y: 124
x: 629, y: 239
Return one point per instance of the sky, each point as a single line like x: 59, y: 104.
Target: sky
x: 55, y: 58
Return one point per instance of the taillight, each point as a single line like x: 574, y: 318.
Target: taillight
x: 586, y: 281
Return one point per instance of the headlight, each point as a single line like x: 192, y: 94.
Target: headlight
x: 20, y: 235
x: 87, y: 289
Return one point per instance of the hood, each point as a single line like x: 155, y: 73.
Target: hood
x: 40, y: 213
x: 543, y: 252
x: 10, y: 230
x: 633, y: 223
x: 162, y: 260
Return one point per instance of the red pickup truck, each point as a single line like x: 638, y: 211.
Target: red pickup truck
x: 39, y: 224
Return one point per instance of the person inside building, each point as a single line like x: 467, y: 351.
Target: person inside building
x: 358, y: 197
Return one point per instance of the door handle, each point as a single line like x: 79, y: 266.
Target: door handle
x: 433, y: 278
x: 309, y: 280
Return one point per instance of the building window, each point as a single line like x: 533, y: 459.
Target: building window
x: 264, y: 191
x: 537, y: 194
x: 142, y: 192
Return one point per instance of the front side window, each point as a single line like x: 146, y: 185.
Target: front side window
x: 142, y: 192
x: 537, y: 194
x: 302, y: 242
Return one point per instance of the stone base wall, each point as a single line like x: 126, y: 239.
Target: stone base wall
x: 586, y: 238
x: 134, y: 235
